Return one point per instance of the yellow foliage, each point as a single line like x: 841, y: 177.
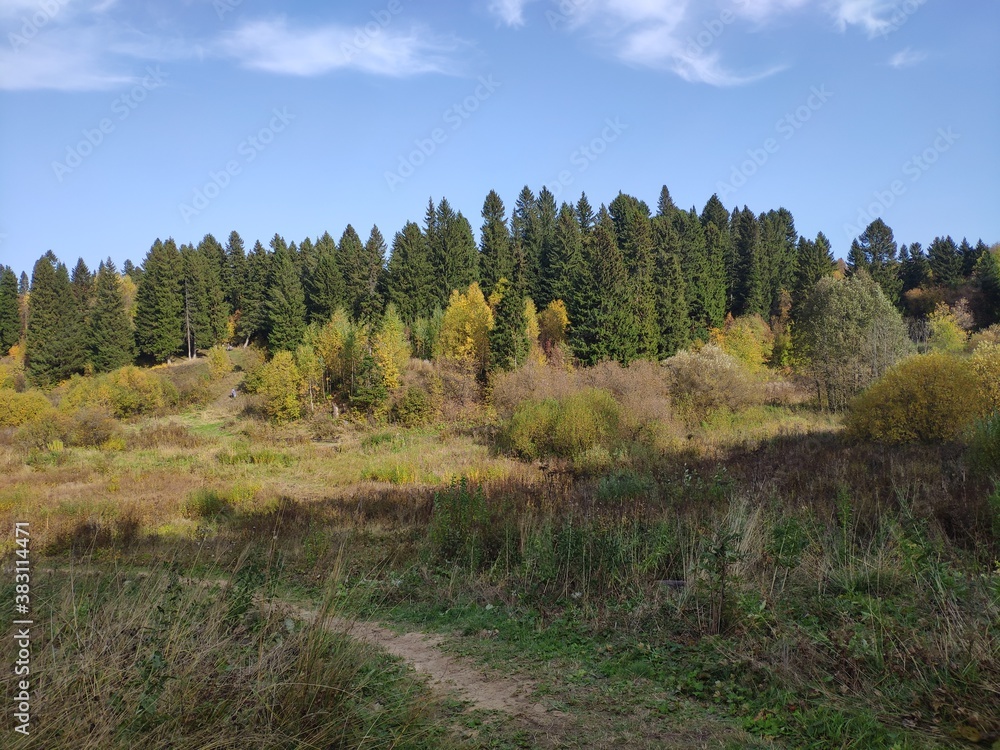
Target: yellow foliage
x: 985, y: 363
x: 532, y: 331
x: 124, y: 392
x: 748, y: 338
x: 219, y: 363
x: 129, y: 290
x: 927, y: 398
x: 465, y: 330
x: 279, y: 383
x: 17, y: 409
x: 553, y: 323
x: 391, y: 349
x: 16, y: 352
x: 946, y: 332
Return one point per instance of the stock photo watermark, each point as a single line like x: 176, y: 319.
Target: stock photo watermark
x: 454, y: 117
x: 786, y: 127
x: 32, y: 25
x: 122, y: 106
x: 900, y: 15
x: 584, y: 156
x: 249, y: 148
x: 914, y: 168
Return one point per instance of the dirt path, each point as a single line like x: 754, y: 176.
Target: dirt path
x: 446, y: 674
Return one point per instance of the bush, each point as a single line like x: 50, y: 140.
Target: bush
x: 984, y: 447
x: 279, y: 383
x: 126, y: 392
x: 205, y: 503
x: 17, y: 409
x: 985, y: 363
x: 748, y: 338
x: 91, y: 427
x: 219, y: 363
x: 927, y: 398
x: 414, y: 408
x: 710, y: 378
x: 564, y: 428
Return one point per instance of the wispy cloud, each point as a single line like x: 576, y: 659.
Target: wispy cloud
x: 870, y: 15
x: 277, y: 46
x: 509, y: 12
x: 907, y: 58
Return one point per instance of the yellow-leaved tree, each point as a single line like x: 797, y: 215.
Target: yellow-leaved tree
x: 947, y: 333
x: 553, y: 322
x: 465, y: 329
x: 390, y: 347
x: 280, y: 384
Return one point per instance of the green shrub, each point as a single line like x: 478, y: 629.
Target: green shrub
x: 564, y: 428
x: 459, y: 530
x: 205, y: 503
x: 279, y: 383
x: 17, y: 409
x: 984, y: 446
x: 126, y: 392
x: 527, y: 432
x: 414, y: 408
x: 927, y: 398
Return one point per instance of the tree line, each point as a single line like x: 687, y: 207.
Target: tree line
x: 634, y: 283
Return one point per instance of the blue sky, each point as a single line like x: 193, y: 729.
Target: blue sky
x: 123, y: 121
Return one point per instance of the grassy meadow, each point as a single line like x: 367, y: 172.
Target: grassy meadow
x: 657, y: 565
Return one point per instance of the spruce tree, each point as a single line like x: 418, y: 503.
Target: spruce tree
x: 814, y: 262
x: 566, y: 261
x: 82, y: 281
x: 875, y: 251
x: 945, y: 261
x: 673, y: 322
x: 751, y: 293
x: 410, y: 281
x: 914, y: 270
x: 987, y: 274
x: 720, y: 248
x: 217, y: 307
x: 634, y: 234
x: 619, y: 332
x: 351, y: 257
x: 584, y: 215
x: 509, y: 345
x: 23, y: 284
x: 369, y: 307
x: 526, y: 238
x: 111, y: 341
x: 10, y: 311
x: 53, y: 350
x: 325, y: 287
x: 695, y: 267
x: 252, y: 322
x: 286, y: 302
x: 160, y: 303
x: 235, y: 277
x: 496, y: 256
x: 544, y: 229
x: 454, y: 255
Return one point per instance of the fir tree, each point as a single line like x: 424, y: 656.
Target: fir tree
x: 673, y: 323
x: 945, y: 261
x: 325, y: 290
x: 526, y: 239
x: 697, y: 273
x: 544, y: 229
x: 252, y: 321
x: 235, y: 278
x: 160, y: 303
x: 496, y: 256
x: 453, y: 251
x: 814, y: 262
x: 566, y: 261
x: 509, y: 344
x: 987, y: 274
x: 286, y: 302
x: 369, y: 306
x: 351, y: 256
x: 111, y: 341
x: 410, y: 281
x: 720, y: 248
x: 53, y: 350
x: 634, y: 234
x: 914, y: 270
x: 82, y: 281
x: 217, y: 308
x: 875, y: 251
x: 750, y: 294
x: 584, y: 215
x: 619, y: 334
x: 10, y: 310
x: 23, y: 284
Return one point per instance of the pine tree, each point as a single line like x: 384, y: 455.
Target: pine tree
x: 695, y: 267
x: 410, y: 281
x: 945, y: 261
x: 779, y: 241
x: 673, y: 322
x: 715, y: 289
x: 325, y: 290
x: 914, y: 270
x: 544, y: 229
x: 720, y: 248
x: 160, y: 303
x: 971, y: 257
x: 82, y: 281
x: 286, y: 302
x: 526, y: 238
x: 875, y: 251
x: 665, y: 206
x: 217, y: 307
x: 253, y: 308
x: 111, y: 341
x: 10, y: 310
x: 496, y: 257
x: 509, y: 344
x: 205, y: 313
x: 53, y: 350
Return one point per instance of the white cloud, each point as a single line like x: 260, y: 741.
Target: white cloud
x: 61, y: 59
x: 276, y: 46
x: 907, y: 58
x: 509, y: 12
